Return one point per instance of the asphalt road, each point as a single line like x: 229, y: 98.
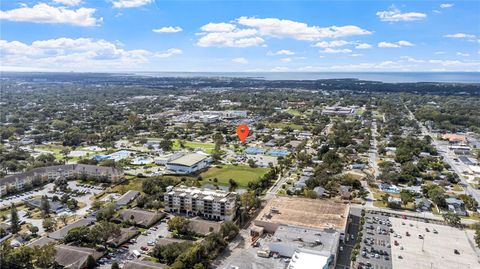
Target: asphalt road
x: 343, y: 257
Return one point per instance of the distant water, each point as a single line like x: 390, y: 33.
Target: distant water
x: 388, y: 77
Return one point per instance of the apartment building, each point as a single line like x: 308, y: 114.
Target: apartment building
x: 45, y: 174
x: 209, y: 204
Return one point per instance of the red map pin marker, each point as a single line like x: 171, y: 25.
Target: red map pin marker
x: 242, y: 132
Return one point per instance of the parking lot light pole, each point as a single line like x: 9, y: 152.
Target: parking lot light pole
x: 423, y: 242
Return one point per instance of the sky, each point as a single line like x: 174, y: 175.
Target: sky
x: 239, y: 36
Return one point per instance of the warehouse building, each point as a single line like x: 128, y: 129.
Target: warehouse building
x: 308, y: 247
x: 188, y: 163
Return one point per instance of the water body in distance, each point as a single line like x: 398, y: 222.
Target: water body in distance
x: 387, y: 77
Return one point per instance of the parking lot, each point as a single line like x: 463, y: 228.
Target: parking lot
x: 8, y: 200
x: 375, y: 249
x: 145, y: 240
x: 242, y: 255
x: 432, y: 246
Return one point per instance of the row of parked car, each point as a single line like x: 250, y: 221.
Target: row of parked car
x: 24, y: 196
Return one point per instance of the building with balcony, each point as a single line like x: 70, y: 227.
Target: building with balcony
x: 209, y: 204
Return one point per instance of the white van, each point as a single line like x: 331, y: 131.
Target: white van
x: 136, y: 253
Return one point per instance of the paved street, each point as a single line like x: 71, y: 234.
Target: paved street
x: 343, y: 259
x: 448, y: 158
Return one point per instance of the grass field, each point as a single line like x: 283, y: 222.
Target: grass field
x: 293, y: 112
x: 207, y: 147
x: 241, y: 174
x: 282, y: 125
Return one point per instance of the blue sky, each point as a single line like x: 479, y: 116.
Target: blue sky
x: 158, y: 35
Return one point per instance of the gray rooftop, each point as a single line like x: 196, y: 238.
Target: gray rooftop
x: 289, y: 238
x: 189, y: 159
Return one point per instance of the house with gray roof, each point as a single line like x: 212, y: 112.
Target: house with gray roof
x: 140, y: 217
x: 72, y: 257
x: 127, y: 198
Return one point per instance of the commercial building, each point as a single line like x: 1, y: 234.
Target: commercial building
x: 308, y: 247
x: 188, y: 163
x: 210, y: 204
x: 338, y: 110
x: 49, y: 173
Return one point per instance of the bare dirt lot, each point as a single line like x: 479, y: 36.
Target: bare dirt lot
x: 313, y: 213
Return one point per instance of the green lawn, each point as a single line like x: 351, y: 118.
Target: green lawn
x: 282, y: 125
x: 207, y: 147
x: 241, y: 174
x: 293, y: 112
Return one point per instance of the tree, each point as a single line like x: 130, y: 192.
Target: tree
x: 179, y: 224
x: 470, y: 203
x: 115, y: 266
x: 106, y: 213
x: 45, y: 255
x: 63, y: 219
x: 78, y: 234
x: 406, y: 197
x: 168, y: 253
x: 437, y: 195
x: 385, y: 198
x: 452, y: 219
x: 229, y: 230
x: 34, y: 230
x: 15, y: 221
x: 104, y: 231
x: 91, y: 262
x: 45, y: 206
x: 233, y: 185
x: 21, y: 257
x: 48, y: 224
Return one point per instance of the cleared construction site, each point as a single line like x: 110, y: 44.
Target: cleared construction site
x: 303, y: 212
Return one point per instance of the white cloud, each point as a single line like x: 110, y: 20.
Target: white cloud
x: 330, y: 50
x: 281, y: 52
x: 411, y: 59
x: 463, y: 54
x: 83, y: 54
x: 455, y: 63
x: 401, y: 43
x: 43, y: 13
x: 356, y: 54
x: 446, y: 5
x: 251, y: 31
x: 239, y: 38
x: 404, y: 43
x: 168, y: 53
x: 395, y: 15
x: 168, y: 29
x: 218, y: 27
x: 290, y: 59
x: 68, y: 2
x: 240, y: 60
x: 130, y: 3
x: 363, y: 46
x: 460, y: 35
x: 439, y: 52
x: 331, y: 44
x: 297, y: 30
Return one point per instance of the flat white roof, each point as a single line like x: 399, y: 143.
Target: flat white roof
x: 307, y: 260
x: 189, y: 159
